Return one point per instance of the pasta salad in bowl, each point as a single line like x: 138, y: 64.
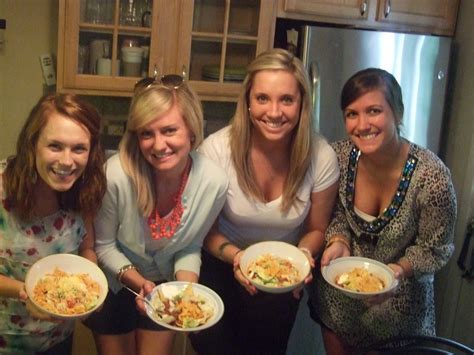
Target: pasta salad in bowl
x: 184, y: 306
x: 66, y: 286
x: 274, y: 267
x: 359, y: 277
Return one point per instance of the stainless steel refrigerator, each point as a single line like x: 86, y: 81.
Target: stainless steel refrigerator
x: 418, y: 62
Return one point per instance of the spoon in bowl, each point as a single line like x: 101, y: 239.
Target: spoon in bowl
x: 142, y: 298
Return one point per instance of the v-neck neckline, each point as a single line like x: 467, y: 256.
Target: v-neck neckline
x: 391, y: 210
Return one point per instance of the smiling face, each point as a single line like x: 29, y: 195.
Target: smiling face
x: 371, y: 123
x: 274, y: 102
x: 62, y: 152
x: 166, y: 142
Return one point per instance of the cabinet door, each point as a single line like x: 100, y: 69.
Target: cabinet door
x: 437, y: 16
x: 105, y: 45
x: 218, y: 39
x: 337, y: 8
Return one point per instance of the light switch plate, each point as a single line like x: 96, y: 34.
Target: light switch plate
x: 47, y: 66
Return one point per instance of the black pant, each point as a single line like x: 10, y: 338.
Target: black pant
x: 251, y: 325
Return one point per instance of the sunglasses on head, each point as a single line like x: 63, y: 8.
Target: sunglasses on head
x: 173, y: 81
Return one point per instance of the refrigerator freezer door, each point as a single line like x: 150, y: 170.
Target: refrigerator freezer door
x: 418, y: 62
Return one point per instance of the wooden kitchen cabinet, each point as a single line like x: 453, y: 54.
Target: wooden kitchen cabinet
x: 212, y: 40
x: 437, y: 16
x: 218, y: 39
x: 334, y: 8
x: 420, y: 16
x: 81, y: 30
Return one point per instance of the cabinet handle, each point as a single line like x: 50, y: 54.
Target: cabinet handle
x: 184, y: 73
x: 363, y: 7
x: 388, y: 8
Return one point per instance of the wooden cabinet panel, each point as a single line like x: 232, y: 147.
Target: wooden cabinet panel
x: 437, y: 16
x: 420, y: 16
x: 336, y: 8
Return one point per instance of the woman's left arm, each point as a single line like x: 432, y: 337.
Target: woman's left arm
x: 184, y: 275
x: 433, y: 245
x: 86, y: 248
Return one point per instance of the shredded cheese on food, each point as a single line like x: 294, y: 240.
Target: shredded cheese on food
x: 67, y: 294
x: 271, y: 270
x: 360, y: 280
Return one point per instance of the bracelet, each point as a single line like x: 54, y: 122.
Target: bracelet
x: 306, y: 251
x: 235, y: 254
x: 123, y: 270
x: 223, y: 246
x: 338, y: 239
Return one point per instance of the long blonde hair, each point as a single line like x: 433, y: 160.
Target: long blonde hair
x: 146, y: 106
x: 301, y: 140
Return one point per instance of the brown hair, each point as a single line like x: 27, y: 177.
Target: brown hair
x: 19, y: 179
x: 302, y: 135
x: 371, y: 79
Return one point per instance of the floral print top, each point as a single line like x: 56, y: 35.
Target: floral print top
x: 418, y: 225
x: 21, y: 244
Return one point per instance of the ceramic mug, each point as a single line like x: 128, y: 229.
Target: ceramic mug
x: 104, y: 66
x: 98, y: 48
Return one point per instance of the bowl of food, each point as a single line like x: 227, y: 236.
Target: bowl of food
x: 184, y: 306
x: 274, y: 267
x: 66, y: 286
x: 359, y: 277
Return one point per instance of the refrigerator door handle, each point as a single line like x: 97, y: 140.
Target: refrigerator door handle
x: 363, y: 7
x: 388, y: 8
x: 316, y: 92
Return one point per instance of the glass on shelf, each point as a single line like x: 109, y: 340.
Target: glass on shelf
x: 98, y: 11
x: 136, y: 12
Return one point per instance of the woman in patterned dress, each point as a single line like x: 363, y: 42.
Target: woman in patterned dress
x: 396, y: 205
x: 49, y: 190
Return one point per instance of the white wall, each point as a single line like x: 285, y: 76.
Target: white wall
x: 31, y: 31
x: 456, y: 295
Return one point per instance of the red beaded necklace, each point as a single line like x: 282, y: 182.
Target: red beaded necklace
x: 165, y: 228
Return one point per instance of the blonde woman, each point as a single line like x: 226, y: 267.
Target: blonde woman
x: 283, y: 184
x: 161, y: 201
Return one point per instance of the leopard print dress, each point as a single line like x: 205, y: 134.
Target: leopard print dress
x: 418, y: 225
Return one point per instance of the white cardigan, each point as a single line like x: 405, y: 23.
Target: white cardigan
x: 121, y: 229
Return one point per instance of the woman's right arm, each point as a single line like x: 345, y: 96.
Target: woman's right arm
x: 337, y: 236
x: 10, y: 287
x: 219, y: 246
x: 107, y: 225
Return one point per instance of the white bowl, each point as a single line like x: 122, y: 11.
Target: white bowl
x: 69, y: 263
x: 346, y: 264
x: 172, y: 288
x: 281, y: 250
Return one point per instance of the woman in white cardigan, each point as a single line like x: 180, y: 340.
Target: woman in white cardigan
x: 162, y: 199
